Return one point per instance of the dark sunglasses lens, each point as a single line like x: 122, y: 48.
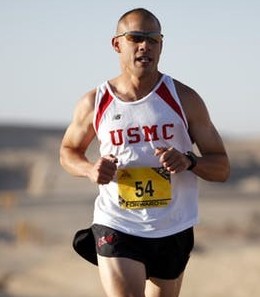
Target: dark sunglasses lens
x: 156, y: 37
x: 136, y: 38
x: 139, y: 37
x: 152, y: 39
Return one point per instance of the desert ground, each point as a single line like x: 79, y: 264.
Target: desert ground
x: 41, y: 207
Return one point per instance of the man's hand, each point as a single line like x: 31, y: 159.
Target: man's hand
x: 104, y: 169
x: 172, y: 160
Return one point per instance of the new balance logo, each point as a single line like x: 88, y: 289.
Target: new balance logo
x: 117, y: 117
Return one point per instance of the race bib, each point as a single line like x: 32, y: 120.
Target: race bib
x: 143, y: 187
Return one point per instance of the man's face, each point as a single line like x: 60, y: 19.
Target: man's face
x: 139, y: 55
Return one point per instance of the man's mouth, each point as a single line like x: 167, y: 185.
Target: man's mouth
x: 143, y: 59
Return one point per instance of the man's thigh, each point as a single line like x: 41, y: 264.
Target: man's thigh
x: 122, y: 277
x: 163, y: 288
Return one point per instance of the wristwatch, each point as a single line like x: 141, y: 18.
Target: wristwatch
x: 193, y: 158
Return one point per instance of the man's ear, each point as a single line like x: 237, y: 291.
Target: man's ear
x: 115, y: 44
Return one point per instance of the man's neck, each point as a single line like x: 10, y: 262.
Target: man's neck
x: 132, y: 88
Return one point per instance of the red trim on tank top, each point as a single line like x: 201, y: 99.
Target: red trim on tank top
x: 165, y: 94
x: 104, y: 103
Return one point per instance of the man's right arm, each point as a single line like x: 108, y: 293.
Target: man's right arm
x: 76, y: 141
x: 77, y: 138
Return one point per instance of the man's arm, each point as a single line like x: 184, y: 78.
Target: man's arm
x: 76, y: 141
x: 213, y: 165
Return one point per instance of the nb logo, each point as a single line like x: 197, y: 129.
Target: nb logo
x: 117, y: 117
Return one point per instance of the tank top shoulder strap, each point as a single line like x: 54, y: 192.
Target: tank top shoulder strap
x: 102, y: 101
x: 167, y: 91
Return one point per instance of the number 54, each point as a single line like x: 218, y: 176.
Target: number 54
x: 143, y: 188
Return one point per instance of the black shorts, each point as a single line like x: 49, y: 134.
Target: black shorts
x: 164, y: 258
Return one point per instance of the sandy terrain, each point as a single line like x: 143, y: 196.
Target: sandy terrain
x: 41, y: 262
x: 37, y: 225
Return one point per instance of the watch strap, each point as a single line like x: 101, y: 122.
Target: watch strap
x: 193, y: 159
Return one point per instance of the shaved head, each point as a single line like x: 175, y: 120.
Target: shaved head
x: 144, y: 13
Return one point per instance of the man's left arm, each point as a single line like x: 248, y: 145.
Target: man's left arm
x: 213, y: 162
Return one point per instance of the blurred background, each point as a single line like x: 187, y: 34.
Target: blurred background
x: 51, y: 53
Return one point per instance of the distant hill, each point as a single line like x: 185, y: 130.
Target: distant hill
x: 29, y: 161
x: 27, y: 136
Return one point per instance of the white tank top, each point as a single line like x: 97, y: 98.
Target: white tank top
x: 131, y: 131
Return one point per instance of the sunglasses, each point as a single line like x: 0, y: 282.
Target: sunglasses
x: 139, y: 37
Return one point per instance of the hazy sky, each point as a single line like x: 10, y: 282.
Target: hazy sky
x: 53, y: 51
